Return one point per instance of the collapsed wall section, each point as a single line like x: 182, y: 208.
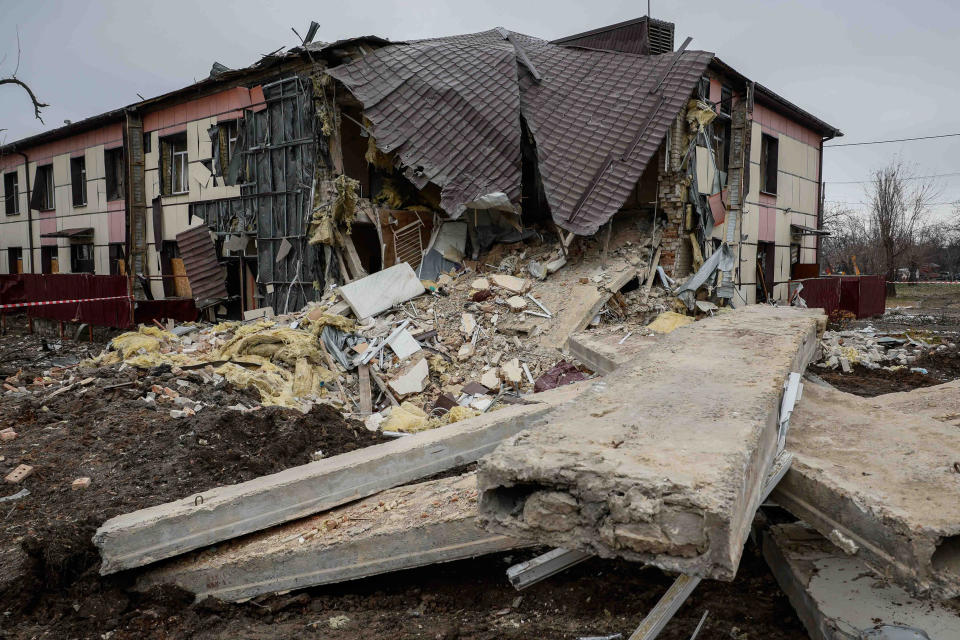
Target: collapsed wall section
x: 663, y: 462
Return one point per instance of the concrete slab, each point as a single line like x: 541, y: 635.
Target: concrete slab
x: 940, y: 402
x: 402, y: 528
x: 222, y: 513
x: 663, y: 462
x: 838, y: 598
x: 379, y: 291
x: 604, y: 353
x: 883, y: 481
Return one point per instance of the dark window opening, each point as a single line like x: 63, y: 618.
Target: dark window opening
x: 147, y: 142
x: 726, y: 100
x: 42, y: 198
x: 78, y: 180
x: 113, y: 164
x: 169, y: 250
x: 11, y: 187
x: 703, y: 88
x: 81, y: 258
x: 49, y: 259
x: 769, y: 148
x: 118, y: 263
x: 174, y: 168
x: 15, y: 257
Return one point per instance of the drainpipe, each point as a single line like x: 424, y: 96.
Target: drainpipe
x: 820, y: 202
x: 26, y: 171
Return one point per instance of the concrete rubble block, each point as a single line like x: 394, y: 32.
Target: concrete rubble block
x: 881, y: 483
x: 510, y: 283
x: 381, y: 290
x: 141, y: 537
x: 664, y: 462
x: 837, y: 597
x: 402, y: 528
x: 480, y: 284
x: 516, y: 303
x: 411, y: 378
x: 468, y: 322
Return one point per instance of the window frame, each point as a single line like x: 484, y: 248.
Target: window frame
x: 11, y: 261
x: 114, y: 173
x: 49, y: 189
x: 767, y: 142
x: 75, y: 261
x: 184, y: 161
x: 78, y: 181
x: 11, y: 198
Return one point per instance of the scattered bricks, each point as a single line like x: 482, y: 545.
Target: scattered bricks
x: 80, y: 483
x: 7, y: 435
x: 20, y: 473
x: 170, y: 393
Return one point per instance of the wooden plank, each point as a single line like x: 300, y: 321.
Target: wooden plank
x: 366, y: 399
x: 353, y: 259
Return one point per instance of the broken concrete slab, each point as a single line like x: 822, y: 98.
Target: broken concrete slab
x: 381, y: 290
x: 222, y: 513
x: 940, y: 402
x: 663, y: 463
x: 516, y: 303
x: 404, y: 345
x: 605, y: 353
x: 402, y: 528
x: 881, y: 482
x: 838, y: 598
x: 510, y: 283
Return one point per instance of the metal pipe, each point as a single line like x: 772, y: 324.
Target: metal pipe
x: 26, y: 171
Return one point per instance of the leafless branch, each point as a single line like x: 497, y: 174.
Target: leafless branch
x: 37, y: 105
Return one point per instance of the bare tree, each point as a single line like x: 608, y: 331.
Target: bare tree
x: 14, y: 80
x: 899, y: 204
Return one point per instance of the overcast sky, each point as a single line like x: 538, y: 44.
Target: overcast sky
x: 875, y: 70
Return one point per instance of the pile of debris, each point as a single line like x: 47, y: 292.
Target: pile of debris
x: 873, y: 349
x: 405, y: 354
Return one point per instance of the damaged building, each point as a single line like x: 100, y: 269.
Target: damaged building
x: 261, y: 187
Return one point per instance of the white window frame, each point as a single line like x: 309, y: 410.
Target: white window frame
x: 184, y: 186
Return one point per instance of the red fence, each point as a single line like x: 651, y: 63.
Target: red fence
x: 112, y: 312
x: 863, y: 296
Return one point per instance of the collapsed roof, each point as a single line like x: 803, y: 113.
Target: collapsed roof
x: 451, y: 109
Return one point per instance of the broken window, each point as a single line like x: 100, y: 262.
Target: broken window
x: 703, y: 88
x: 174, y: 165
x: 147, y: 144
x: 78, y: 180
x: 81, y: 258
x: 42, y: 198
x: 228, y: 141
x: 49, y: 260
x: 113, y: 163
x: 769, y: 148
x: 10, y: 193
x: 118, y: 265
x: 726, y: 100
x: 15, y: 257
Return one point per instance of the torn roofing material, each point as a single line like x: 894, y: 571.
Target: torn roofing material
x: 451, y: 107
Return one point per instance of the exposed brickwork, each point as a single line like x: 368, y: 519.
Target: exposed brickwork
x: 675, y: 247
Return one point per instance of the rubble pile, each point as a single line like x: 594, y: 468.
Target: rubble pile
x: 875, y: 349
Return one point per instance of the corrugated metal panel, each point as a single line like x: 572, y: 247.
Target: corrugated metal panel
x: 207, y: 279
x: 451, y: 109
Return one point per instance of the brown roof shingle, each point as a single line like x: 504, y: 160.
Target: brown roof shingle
x: 451, y: 108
